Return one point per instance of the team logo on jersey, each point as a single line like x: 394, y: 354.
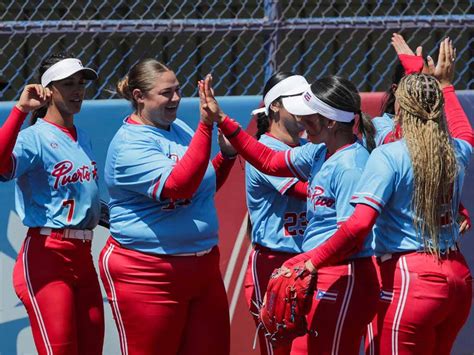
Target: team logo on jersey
x: 174, y: 157
x: 64, y: 173
x: 317, y: 198
x: 54, y: 145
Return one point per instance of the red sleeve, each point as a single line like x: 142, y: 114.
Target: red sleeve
x: 8, y: 134
x: 348, y: 239
x: 265, y: 159
x: 458, y: 123
x: 222, y: 166
x: 465, y: 213
x: 393, y: 136
x: 298, y: 190
x: 188, y: 173
x: 411, y: 63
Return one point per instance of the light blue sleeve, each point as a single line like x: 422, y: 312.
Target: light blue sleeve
x: 345, y: 185
x: 463, y: 151
x: 377, y: 182
x: 383, y: 126
x: 142, y: 168
x: 279, y: 184
x: 27, y: 153
x: 300, y: 160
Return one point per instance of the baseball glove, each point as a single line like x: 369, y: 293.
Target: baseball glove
x: 286, y: 303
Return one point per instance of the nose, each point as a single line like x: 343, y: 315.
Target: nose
x: 176, y: 96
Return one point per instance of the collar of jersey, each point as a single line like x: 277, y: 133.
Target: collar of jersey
x: 278, y: 139
x: 340, y: 149
x: 70, y: 132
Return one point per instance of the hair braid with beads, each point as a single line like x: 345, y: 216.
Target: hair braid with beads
x: 432, y: 154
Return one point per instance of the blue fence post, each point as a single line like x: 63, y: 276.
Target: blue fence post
x: 272, y: 15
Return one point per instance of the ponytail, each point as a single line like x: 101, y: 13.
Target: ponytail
x: 123, y: 89
x: 38, y: 113
x: 263, y: 124
x: 367, y: 129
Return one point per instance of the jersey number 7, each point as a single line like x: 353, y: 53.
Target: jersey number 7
x: 69, y: 204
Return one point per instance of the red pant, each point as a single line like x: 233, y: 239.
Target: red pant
x: 425, y: 303
x: 372, y: 341
x: 345, y: 302
x: 57, y: 283
x: 166, y: 304
x: 262, y: 262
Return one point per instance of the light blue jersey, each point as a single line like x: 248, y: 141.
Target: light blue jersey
x: 139, y: 160
x: 278, y: 220
x: 387, y: 186
x: 331, y: 186
x: 384, y: 125
x: 56, y: 178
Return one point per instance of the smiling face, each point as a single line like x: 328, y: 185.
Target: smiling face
x: 68, y: 94
x: 160, y: 104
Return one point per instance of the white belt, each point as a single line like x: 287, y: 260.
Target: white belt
x: 197, y: 253
x: 388, y: 256
x: 82, y: 234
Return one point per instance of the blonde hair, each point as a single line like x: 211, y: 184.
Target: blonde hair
x: 432, y: 155
x: 141, y: 76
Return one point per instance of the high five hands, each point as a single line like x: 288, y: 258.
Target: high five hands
x: 443, y: 70
x: 209, y: 108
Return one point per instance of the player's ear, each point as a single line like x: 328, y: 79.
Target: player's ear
x: 275, y: 106
x: 330, y: 123
x: 137, y: 96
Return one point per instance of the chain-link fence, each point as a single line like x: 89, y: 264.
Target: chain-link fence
x: 240, y: 42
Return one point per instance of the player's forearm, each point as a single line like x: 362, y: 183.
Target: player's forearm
x: 411, y: 63
x: 222, y: 166
x: 463, y: 211
x: 188, y: 173
x: 298, y: 190
x: 260, y: 156
x: 8, y: 135
x: 458, y: 123
x: 348, y: 239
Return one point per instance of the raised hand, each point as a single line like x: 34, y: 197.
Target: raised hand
x: 401, y: 47
x: 211, y: 107
x: 205, y: 115
x: 412, y: 63
x: 33, y: 97
x: 444, y: 68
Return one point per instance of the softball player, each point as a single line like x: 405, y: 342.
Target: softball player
x: 347, y: 293
x: 387, y: 131
x: 57, y: 198
x: 426, y: 284
x: 160, y: 267
x: 277, y: 206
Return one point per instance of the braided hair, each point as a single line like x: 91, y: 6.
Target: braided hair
x: 432, y: 154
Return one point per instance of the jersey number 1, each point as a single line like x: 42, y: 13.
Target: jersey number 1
x: 69, y: 204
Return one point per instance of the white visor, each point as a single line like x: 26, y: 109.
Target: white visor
x: 293, y: 85
x: 308, y: 104
x: 65, y: 68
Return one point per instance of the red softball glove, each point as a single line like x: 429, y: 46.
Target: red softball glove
x: 287, y: 302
